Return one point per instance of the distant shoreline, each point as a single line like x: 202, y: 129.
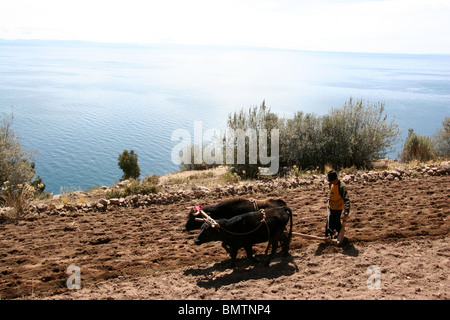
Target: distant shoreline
x: 45, y: 42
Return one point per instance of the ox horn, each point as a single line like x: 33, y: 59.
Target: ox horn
x: 204, y: 214
x: 208, y: 219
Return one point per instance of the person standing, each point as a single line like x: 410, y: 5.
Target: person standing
x: 338, y: 201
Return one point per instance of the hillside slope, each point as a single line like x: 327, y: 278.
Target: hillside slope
x: 401, y: 227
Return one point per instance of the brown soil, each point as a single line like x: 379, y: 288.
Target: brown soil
x: 401, y: 227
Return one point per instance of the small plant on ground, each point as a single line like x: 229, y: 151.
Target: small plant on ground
x: 18, y: 197
x: 230, y: 177
x: 148, y: 185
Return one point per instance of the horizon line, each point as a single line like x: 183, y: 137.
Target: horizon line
x: 238, y: 46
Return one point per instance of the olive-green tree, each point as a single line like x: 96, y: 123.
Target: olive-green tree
x: 128, y: 162
x: 351, y: 135
x: 441, y: 139
x: 356, y: 133
x: 16, y: 170
x: 249, y: 124
x: 16, y: 164
x: 417, y: 147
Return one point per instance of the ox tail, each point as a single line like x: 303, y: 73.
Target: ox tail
x: 291, y: 224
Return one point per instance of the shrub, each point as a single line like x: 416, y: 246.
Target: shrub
x: 441, y: 139
x: 349, y: 136
x: 256, y: 119
x: 355, y: 134
x: 114, y: 193
x: 417, y: 147
x: 300, y: 142
x: 151, y: 179
x: 15, y: 162
x: 147, y: 186
x: 17, y: 197
x: 229, y: 177
x: 39, y: 188
x: 192, y: 165
x: 136, y: 187
x: 128, y: 162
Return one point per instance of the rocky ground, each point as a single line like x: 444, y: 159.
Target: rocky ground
x: 133, y: 248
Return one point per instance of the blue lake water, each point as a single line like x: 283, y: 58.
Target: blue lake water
x: 79, y: 105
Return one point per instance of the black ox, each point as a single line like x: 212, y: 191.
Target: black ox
x: 228, y: 209
x: 245, y: 230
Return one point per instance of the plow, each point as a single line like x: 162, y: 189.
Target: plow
x: 312, y: 237
x: 338, y: 239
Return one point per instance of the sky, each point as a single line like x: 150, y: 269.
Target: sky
x: 389, y: 26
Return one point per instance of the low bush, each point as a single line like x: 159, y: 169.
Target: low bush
x: 349, y: 136
x: 147, y: 186
x: 417, y: 147
x: 441, y: 139
x: 18, y: 197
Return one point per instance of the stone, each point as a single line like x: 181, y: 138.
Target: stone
x: 395, y: 173
x: 103, y: 202
x: 123, y: 183
x: 347, y: 178
x: 115, y: 201
x: 41, y: 207
x: 69, y: 207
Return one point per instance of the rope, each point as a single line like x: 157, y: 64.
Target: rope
x: 255, y: 205
x: 247, y: 233
x: 213, y: 223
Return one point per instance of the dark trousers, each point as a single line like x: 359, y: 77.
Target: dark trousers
x: 333, y: 223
